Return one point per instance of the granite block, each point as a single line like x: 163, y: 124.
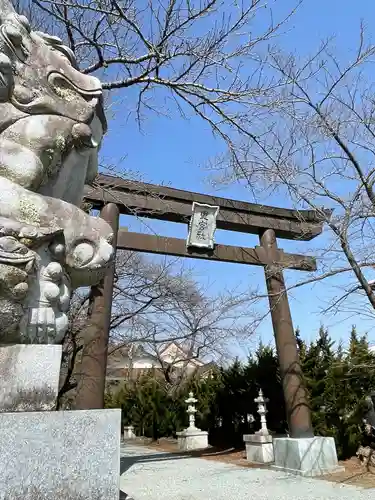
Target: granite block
x: 70, y: 455
x: 192, y: 439
x: 29, y: 377
x: 259, y: 448
x: 314, y: 456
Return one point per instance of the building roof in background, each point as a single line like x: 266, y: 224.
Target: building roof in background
x: 122, y: 359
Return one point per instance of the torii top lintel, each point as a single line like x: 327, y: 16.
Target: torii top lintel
x: 170, y: 204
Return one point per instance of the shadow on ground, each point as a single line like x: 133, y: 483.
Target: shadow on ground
x: 124, y: 496
x: 233, y: 456
x: 127, y: 462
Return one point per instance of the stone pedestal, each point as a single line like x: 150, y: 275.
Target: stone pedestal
x: 51, y: 455
x: 60, y: 455
x: 129, y: 432
x: 29, y: 377
x: 192, y: 439
x: 259, y: 448
x: 314, y: 456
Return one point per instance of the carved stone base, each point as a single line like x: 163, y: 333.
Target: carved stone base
x: 29, y: 377
x: 60, y: 455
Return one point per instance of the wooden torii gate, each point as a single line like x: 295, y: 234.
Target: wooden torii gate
x: 114, y: 196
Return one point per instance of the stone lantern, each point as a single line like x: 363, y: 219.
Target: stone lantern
x: 192, y: 438
x: 259, y: 446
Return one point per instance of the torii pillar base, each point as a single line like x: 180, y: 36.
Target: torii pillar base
x: 309, y: 457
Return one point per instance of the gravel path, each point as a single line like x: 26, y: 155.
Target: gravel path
x: 153, y: 475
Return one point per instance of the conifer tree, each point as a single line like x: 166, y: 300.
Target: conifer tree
x: 316, y: 362
x: 266, y: 375
x: 301, y: 344
x: 349, y: 379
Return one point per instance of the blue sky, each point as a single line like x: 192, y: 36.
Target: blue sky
x: 174, y: 151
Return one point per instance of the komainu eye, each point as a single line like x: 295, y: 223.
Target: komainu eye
x: 14, y: 35
x: 25, y: 23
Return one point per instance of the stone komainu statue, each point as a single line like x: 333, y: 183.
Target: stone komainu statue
x: 51, y: 125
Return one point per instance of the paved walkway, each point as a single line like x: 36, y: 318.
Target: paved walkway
x: 150, y: 475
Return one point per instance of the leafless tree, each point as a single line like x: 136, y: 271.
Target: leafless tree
x: 316, y: 146
x: 203, y: 328
x: 154, y: 304
x: 304, y: 127
x: 165, y: 303
x: 204, y: 56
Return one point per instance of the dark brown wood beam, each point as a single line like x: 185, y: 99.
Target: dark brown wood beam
x: 175, y: 211
x: 225, y: 253
x: 149, y: 205
x: 165, y: 192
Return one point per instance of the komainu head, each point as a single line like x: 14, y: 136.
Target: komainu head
x: 39, y: 75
